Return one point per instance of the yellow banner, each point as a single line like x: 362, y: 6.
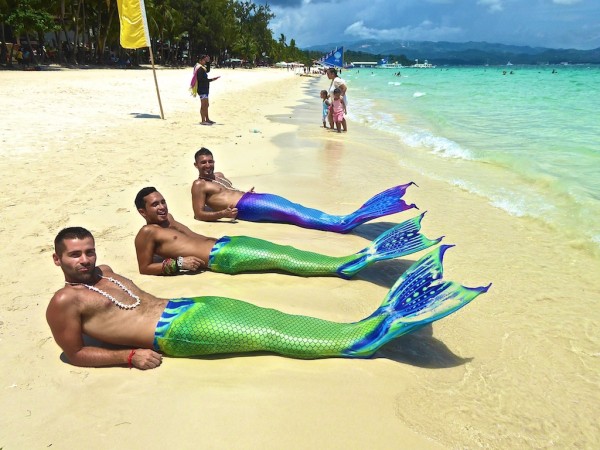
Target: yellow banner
x: 134, y: 26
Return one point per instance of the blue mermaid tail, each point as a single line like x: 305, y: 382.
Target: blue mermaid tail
x: 401, y: 240
x: 418, y: 298
x: 255, y: 207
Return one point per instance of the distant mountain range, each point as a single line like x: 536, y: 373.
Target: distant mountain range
x: 467, y: 53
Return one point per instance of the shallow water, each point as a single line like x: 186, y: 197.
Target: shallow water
x: 527, y: 141
x: 519, y: 367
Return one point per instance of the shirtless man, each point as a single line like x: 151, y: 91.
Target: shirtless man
x: 216, y: 192
x: 179, y: 248
x: 108, y: 307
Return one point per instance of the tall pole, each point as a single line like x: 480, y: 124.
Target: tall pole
x: 162, y: 116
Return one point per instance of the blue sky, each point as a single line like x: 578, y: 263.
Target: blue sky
x: 537, y: 23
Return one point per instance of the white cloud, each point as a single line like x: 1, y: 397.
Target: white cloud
x: 424, y: 31
x: 546, y: 23
x: 494, y: 5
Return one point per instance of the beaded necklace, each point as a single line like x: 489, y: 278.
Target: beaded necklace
x: 225, y: 184
x: 110, y: 297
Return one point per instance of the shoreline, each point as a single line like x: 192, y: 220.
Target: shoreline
x: 83, y: 166
x: 532, y: 325
x: 503, y: 364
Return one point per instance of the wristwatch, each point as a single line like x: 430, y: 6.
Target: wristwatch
x: 180, y: 262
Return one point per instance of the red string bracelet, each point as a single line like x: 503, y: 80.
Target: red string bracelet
x: 129, y: 358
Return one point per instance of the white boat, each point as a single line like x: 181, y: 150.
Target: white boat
x: 385, y: 65
x: 423, y: 65
x: 390, y: 66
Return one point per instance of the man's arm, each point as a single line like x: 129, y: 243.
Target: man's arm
x: 199, y: 202
x: 64, y: 318
x: 144, y: 249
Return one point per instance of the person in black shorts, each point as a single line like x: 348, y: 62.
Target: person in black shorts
x: 203, y: 81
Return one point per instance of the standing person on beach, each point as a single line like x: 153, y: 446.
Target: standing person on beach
x: 326, y: 104
x: 110, y: 308
x: 179, y: 248
x: 201, y: 70
x: 216, y: 192
x: 338, y: 107
x: 336, y: 83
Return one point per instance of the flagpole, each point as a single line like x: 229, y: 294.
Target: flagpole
x: 162, y: 116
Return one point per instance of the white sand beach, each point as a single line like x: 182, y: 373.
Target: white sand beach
x: 514, y: 369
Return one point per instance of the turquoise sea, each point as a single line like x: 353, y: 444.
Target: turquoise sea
x: 526, y: 138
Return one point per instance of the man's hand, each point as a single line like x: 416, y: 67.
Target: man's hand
x: 230, y: 213
x: 145, y: 359
x: 193, y: 263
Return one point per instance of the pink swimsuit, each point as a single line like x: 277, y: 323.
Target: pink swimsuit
x: 338, y: 110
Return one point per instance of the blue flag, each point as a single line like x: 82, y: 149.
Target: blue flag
x: 334, y: 58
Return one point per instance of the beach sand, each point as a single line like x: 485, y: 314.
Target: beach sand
x: 516, y: 368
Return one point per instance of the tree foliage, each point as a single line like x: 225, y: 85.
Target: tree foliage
x: 181, y: 30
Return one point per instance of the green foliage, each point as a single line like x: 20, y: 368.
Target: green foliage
x: 28, y: 16
x: 220, y: 28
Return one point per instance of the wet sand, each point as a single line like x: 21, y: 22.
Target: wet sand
x: 516, y: 368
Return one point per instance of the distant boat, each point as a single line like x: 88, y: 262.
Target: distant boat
x: 423, y: 65
x: 384, y: 64
x: 390, y: 66
x: 509, y: 63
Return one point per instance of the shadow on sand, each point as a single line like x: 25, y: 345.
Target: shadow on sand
x: 144, y: 116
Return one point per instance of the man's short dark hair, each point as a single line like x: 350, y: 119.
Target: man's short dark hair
x: 202, y: 152
x: 140, y: 202
x: 69, y: 233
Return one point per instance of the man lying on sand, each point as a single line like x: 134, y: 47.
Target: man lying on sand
x: 110, y: 308
x: 179, y: 248
x: 213, y: 190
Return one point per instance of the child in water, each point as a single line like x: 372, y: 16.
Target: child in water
x: 326, y: 103
x: 339, y: 109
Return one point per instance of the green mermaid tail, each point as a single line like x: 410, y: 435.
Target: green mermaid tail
x: 401, y: 240
x: 244, y: 254
x: 418, y: 298
x: 216, y: 325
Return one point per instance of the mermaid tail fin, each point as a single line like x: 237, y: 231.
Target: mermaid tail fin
x: 403, y: 239
x: 383, y: 204
x: 419, y: 297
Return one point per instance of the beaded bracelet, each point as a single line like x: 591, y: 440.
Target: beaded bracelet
x: 169, y: 267
x: 129, y: 358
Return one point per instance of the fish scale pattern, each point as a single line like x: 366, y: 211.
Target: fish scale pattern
x: 255, y: 207
x: 237, y: 254
x: 211, y: 325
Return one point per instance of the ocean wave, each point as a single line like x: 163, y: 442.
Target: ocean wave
x: 547, y: 171
x: 437, y: 145
x: 512, y: 204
